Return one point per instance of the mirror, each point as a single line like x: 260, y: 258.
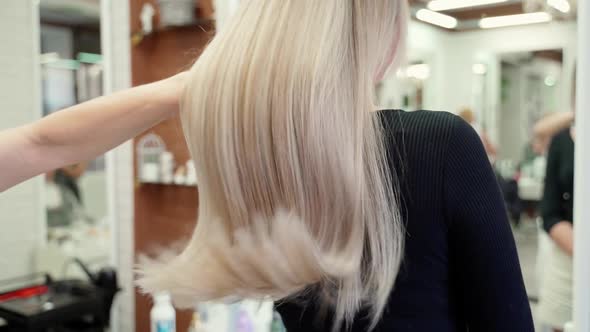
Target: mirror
x: 405, y: 89
x: 76, y: 195
x: 530, y: 88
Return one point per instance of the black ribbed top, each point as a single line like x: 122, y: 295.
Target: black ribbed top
x: 461, y: 270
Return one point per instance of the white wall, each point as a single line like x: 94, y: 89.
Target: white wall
x: 426, y: 44
x: 21, y: 215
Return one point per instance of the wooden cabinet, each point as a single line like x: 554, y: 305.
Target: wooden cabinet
x: 165, y: 215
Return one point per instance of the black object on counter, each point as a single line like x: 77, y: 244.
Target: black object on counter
x: 65, y: 305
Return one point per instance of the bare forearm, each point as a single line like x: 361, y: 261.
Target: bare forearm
x: 89, y: 129
x: 563, y: 235
x: 83, y: 131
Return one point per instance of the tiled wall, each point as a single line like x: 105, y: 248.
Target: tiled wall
x: 20, y: 207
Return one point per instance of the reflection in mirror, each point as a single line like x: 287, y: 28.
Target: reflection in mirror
x: 76, y: 196
x: 405, y: 88
x: 530, y: 120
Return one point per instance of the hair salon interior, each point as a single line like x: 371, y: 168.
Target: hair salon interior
x: 505, y: 66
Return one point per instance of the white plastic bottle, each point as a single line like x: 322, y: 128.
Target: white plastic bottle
x: 163, y: 316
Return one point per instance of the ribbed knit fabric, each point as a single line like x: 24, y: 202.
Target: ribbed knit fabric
x: 461, y: 270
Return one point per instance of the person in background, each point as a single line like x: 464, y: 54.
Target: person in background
x: 469, y: 116
x: 549, y: 126
x: 64, y: 198
x: 68, y: 177
x: 555, y: 300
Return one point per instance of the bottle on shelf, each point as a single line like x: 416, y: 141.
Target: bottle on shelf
x: 199, y: 321
x: 163, y: 315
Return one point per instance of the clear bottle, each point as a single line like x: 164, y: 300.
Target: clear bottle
x: 163, y: 315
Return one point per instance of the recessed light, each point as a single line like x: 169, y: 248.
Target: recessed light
x: 435, y: 18
x: 419, y: 71
x: 511, y: 20
x: 442, y: 5
x: 561, y: 5
x: 479, y: 69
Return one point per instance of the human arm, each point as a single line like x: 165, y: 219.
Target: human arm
x: 485, y: 270
x: 555, y: 224
x: 562, y: 234
x: 550, y: 125
x: 84, y: 131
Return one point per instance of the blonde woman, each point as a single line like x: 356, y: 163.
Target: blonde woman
x: 312, y: 199
x: 307, y: 196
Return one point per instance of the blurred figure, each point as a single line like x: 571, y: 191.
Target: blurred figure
x: 548, y: 126
x: 68, y: 177
x: 64, y: 198
x: 555, y: 305
x: 469, y: 116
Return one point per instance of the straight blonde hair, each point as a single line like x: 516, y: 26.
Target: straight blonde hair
x: 295, y: 188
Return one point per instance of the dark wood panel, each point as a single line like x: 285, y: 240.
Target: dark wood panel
x: 165, y: 215
x: 553, y: 55
x: 478, y: 13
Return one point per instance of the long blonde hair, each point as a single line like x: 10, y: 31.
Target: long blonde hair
x: 295, y: 189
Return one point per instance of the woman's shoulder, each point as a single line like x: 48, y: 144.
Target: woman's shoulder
x: 432, y: 127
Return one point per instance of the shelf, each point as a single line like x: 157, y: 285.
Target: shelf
x: 204, y: 24
x: 167, y: 184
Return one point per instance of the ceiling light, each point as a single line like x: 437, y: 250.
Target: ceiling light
x: 435, y: 18
x: 442, y: 5
x: 550, y: 81
x: 561, y: 5
x: 510, y: 20
x: 419, y: 71
x: 479, y: 69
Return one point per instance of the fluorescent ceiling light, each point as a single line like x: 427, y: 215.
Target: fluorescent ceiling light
x: 479, y: 69
x: 442, y: 5
x: 435, y: 18
x: 510, y: 20
x: 561, y: 5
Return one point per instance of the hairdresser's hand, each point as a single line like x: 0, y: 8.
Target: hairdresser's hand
x: 168, y: 92
x: 86, y: 130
